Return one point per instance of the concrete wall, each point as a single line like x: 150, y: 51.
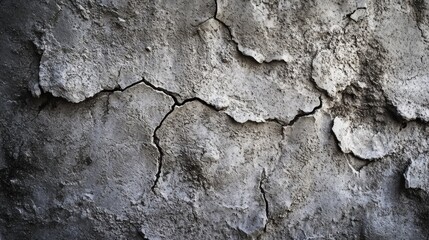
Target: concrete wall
x: 214, y: 119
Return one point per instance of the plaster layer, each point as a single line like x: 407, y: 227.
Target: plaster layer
x: 214, y: 119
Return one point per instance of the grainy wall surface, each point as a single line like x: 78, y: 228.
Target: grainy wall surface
x: 214, y: 119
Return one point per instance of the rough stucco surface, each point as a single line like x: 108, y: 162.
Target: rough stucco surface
x: 214, y: 119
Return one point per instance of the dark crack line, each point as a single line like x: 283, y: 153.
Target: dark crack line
x: 173, y: 95
x: 229, y: 30
x: 350, y: 14
x: 54, y: 19
x: 299, y: 115
x: 291, y: 122
x: 160, y: 150
x: 233, y: 39
x: 110, y: 91
x: 261, y: 188
x: 235, y: 42
x: 119, y: 89
x: 177, y: 103
x: 304, y: 114
x: 156, y: 139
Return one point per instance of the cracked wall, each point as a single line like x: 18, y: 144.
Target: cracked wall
x: 214, y: 119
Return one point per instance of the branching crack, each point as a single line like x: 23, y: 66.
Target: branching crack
x: 237, y: 45
x: 155, y: 137
x: 263, y: 193
x: 173, y: 95
x: 178, y: 103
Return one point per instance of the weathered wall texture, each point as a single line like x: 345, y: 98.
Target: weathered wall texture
x: 214, y: 119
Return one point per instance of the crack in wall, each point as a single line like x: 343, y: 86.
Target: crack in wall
x: 233, y: 39
x: 54, y: 122
x: 297, y: 116
x: 173, y: 95
x: 261, y: 188
x: 177, y: 103
x: 304, y: 114
x: 358, y: 17
x: 156, y: 139
x: 176, y: 96
x: 237, y: 45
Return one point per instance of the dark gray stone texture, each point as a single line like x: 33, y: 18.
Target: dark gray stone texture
x: 214, y: 119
